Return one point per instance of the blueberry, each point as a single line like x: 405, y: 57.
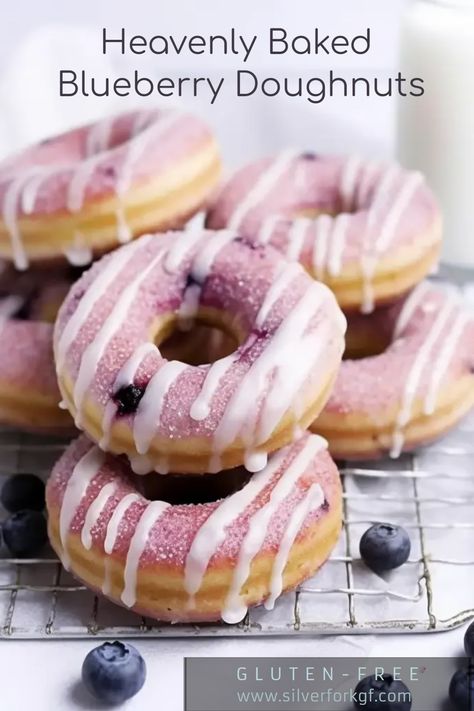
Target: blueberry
x: 461, y: 690
x: 384, y: 547
x: 469, y: 641
x: 128, y: 399
x: 395, y: 695
x: 25, y: 533
x: 114, y: 672
x: 23, y: 491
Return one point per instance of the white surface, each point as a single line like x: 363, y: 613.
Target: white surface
x: 45, y: 675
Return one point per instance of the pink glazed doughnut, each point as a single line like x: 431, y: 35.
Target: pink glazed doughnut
x: 86, y: 191
x: 413, y: 391
x: 368, y: 230
x: 29, y: 394
x: 171, y: 558
x: 171, y: 416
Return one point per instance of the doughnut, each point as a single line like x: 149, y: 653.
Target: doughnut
x: 29, y: 394
x: 417, y: 387
x: 86, y: 191
x: 180, y: 561
x: 170, y: 416
x: 369, y: 230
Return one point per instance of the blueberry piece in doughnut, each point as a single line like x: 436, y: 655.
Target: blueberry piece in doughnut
x: 128, y: 399
x: 191, y: 281
x: 309, y: 155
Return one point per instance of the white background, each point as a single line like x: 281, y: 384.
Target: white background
x: 39, y: 36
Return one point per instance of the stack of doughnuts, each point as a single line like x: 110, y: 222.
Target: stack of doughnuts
x: 149, y: 418
x: 371, y: 231
x: 208, y: 369
x: 69, y: 199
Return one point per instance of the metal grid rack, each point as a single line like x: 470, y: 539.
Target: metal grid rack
x: 430, y: 493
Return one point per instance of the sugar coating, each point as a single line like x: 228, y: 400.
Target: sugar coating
x: 376, y: 384
x: 58, y: 158
x: 316, y: 184
x: 171, y: 538
x: 236, y: 285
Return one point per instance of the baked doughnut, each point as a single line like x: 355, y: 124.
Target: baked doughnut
x: 86, y: 191
x: 172, y: 416
x: 29, y: 394
x: 369, y: 230
x: 413, y: 391
x: 194, y: 562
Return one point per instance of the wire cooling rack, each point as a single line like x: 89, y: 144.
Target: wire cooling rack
x: 431, y: 493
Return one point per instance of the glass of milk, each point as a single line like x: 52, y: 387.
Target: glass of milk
x: 436, y: 130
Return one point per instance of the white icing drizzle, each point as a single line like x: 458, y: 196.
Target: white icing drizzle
x: 409, y: 307
x: 11, y: 206
x: 296, y: 238
x: 189, y: 307
x: 112, y: 323
x: 148, y: 415
x: 92, y: 296
x: 98, y: 136
x: 443, y: 360
x: 205, y: 258
x: 137, y: 146
x: 415, y: 374
x: 31, y: 188
x: 255, y: 461
x: 287, y: 385
x: 313, y: 500
x: 396, y: 210
x: 263, y: 187
x: 337, y: 243
x: 277, y: 356
x: 94, y: 511
x: 124, y: 233
x: 111, y: 536
x: 79, y: 180
x: 115, y: 521
x: 348, y: 185
x: 282, y: 280
x: 83, y: 473
x: 180, y: 249
x: 201, y: 406
x: 372, y: 250
x: 79, y: 254
x: 235, y: 608
x: 322, y: 226
x: 148, y: 519
x: 267, y: 228
x: 213, y: 531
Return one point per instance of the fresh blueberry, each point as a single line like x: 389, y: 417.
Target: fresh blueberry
x: 23, y: 491
x: 25, y: 533
x: 128, y: 399
x: 461, y: 690
x: 469, y: 641
x: 114, y: 672
x: 384, y: 547
x: 382, y: 694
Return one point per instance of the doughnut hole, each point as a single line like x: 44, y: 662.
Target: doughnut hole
x: 366, y: 336
x: 178, y: 489
x: 205, y: 339
x: 198, y: 345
